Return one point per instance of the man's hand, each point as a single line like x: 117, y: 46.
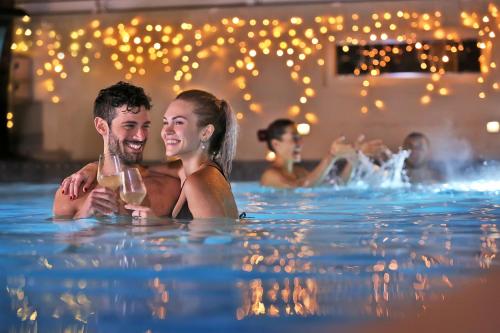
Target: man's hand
x: 100, y: 200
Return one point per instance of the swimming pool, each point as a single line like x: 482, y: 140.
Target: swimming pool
x: 306, y: 258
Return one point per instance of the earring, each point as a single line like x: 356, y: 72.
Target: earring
x: 203, y: 145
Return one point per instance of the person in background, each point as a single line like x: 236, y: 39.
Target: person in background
x: 282, y: 138
x: 121, y: 117
x: 417, y: 165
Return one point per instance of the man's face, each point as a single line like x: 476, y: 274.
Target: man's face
x: 419, y: 154
x: 128, y: 133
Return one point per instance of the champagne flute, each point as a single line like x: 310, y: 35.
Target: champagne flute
x: 133, y: 189
x: 108, y: 171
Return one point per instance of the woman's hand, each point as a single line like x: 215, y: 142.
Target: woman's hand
x: 374, y: 148
x: 82, y: 178
x: 140, y: 212
x: 341, y: 149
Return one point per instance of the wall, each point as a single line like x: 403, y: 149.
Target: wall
x: 455, y: 123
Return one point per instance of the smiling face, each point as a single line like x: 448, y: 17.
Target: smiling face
x: 180, y: 131
x: 128, y: 133
x: 289, y: 146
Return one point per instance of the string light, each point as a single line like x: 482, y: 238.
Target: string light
x: 296, y: 41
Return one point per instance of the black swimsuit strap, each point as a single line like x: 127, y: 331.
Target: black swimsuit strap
x: 213, y: 165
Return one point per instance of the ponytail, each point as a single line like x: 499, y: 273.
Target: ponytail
x: 227, y: 151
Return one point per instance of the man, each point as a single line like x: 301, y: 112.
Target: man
x: 121, y: 117
x: 417, y: 165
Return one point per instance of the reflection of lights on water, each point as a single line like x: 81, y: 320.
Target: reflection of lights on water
x: 287, y: 299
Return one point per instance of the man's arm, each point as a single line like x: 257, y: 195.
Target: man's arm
x: 63, y: 206
x: 98, y: 201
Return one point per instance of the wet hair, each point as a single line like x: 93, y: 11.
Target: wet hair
x: 211, y: 110
x: 414, y: 136
x: 119, y: 94
x: 274, y: 131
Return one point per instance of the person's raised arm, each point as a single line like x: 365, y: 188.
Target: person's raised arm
x: 338, y: 149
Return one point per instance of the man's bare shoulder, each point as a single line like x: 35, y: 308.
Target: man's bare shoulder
x: 169, y: 168
x: 161, y: 183
x: 64, y: 206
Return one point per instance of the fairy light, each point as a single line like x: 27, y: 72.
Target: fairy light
x: 426, y: 99
x: 443, y: 91
x: 270, y: 156
x: 294, y: 111
x: 311, y: 118
x: 379, y: 104
x: 293, y: 40
x: 303, y: 128
x: 493, y: 127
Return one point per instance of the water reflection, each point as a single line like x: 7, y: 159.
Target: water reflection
x: 292, y: 297
x: 362, y: 263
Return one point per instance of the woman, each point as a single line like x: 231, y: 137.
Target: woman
x: 282, y: 138
x: 201, y: 131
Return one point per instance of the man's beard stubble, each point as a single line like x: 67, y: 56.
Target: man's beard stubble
x: 119, y: 149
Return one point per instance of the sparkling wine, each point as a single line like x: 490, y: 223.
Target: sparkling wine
x: 134, y: 198
x: 112, y: 182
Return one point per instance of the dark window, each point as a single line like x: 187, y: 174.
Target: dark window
x: 2, y: 37
x: 423, y: 57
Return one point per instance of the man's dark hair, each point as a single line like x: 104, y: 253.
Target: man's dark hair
x: 415, y: 135
x: 121, y: 93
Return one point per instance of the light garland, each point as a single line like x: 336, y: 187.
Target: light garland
x: 132, y: 48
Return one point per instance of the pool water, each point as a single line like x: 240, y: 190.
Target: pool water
x: 303, y: 259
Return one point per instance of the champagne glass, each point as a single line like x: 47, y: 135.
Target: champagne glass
x: 133, y: 189
x: 108, y: 171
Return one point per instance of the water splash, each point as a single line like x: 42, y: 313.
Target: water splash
x: 390, y: 174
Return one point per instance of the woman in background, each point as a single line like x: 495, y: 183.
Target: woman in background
x: 283, y: 139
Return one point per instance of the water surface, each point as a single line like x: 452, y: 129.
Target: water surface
x: 303, y: 259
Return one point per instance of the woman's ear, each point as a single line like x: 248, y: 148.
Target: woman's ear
x: 101, y: 126
x: 275, y: 143
x: 207, y: 132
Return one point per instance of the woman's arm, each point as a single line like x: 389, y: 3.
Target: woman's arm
x: 85, y: 177
x: 338, y: 149
x: 209, y: 196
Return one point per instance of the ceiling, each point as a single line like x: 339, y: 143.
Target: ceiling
x: 52, y: 7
